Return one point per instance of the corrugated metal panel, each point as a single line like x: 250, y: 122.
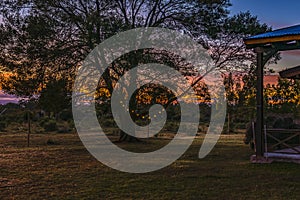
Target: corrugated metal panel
x: 293, y: 30
x: 291, y: 73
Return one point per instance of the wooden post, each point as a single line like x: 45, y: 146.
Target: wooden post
x: 265, y: 141
x: 259, y: 104
x: 228, y: 121
x: 29, y: 128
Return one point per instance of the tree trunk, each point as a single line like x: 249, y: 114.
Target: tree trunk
x: 124, y: 137
x: 132, y: 105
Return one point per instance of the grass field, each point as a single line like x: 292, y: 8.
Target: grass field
x: 65, y: 170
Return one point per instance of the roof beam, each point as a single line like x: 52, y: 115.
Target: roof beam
x: 272, y: 39
x: 279, y: 46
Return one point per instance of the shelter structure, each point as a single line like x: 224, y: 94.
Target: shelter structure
x: 292, y: 73
x: 266, y: 45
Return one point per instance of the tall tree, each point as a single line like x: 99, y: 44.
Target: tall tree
x: 44, y: 40
x: 55, y: 97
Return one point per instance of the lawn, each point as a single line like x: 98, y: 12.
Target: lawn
x: 63, y: 169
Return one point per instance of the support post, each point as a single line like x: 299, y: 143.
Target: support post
x: 259, y: 104
x: 29, y: 128
x: 228, y: 125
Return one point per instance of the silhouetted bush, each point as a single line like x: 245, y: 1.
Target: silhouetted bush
x: 286, y: 123
x: 66, y: 115
x: 50, y: 125
x: 64, y: 128
x: 108, y: 123
x: 2, y: 126
x: 51, y: 142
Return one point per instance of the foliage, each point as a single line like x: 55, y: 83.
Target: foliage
x: 50, y: 125
x: 45, y: 41
x: 2, y: 126
x: 228, y: 49
x: 64, y: 127
x: 48, y: 39
x: 283, y: 97
x: 55, y: 97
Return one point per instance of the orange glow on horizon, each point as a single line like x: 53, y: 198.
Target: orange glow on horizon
x: 4, y: 76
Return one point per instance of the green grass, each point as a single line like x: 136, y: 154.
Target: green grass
x: 65, y: 170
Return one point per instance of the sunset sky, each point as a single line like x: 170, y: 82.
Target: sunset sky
x: 278, y: 14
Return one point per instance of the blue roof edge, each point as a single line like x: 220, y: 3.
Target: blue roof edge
x: 292, y: 30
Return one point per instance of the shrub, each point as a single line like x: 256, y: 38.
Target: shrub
x: 64, y: 128
x: 278, y: 123
x: 108, y: 123
x: 2, y: 126
x: 289, y: 122
x: 50, y: 125
x: 270, y: 121
x: 43, y: 121
x: 239, y: 125
x: 171, y: 126
x: 66, y: 115
x: 71, y: 124
x: 225, y: 129
x: 51, y: 142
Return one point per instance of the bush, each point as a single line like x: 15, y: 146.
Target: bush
x: 278, y: 123
x: 2, y: 126
x: 31, y: 116
x: 171, y: 126
x: 64, y: 128
x: 71, y: 124
x: 286, y: 123
x: 50, y: 125
x: 108, y: 123
x: 289, y: 122
x: 66, y: 115
x: 239, y: 125
x: 225, y: 129
x: 43, y: 121
x: 15, y: 127
x: 270, y: 121
x: 51, y: 142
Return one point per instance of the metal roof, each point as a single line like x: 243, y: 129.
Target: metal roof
x: 293, y: 30
x: 292, y: 73
x: 283, y: 36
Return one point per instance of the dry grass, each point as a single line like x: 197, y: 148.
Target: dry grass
x: 65, y: 170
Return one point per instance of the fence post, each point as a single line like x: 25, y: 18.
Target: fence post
x: 29, y: 128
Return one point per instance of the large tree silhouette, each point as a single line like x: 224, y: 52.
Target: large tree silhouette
x: 42, y: 40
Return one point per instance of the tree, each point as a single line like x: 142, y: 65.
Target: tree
x: 283, y: 97
x: 45, y: 40
x: 54, y: 97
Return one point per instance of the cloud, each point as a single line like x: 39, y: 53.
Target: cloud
x: 295, y: 53
x: 6, y: 98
